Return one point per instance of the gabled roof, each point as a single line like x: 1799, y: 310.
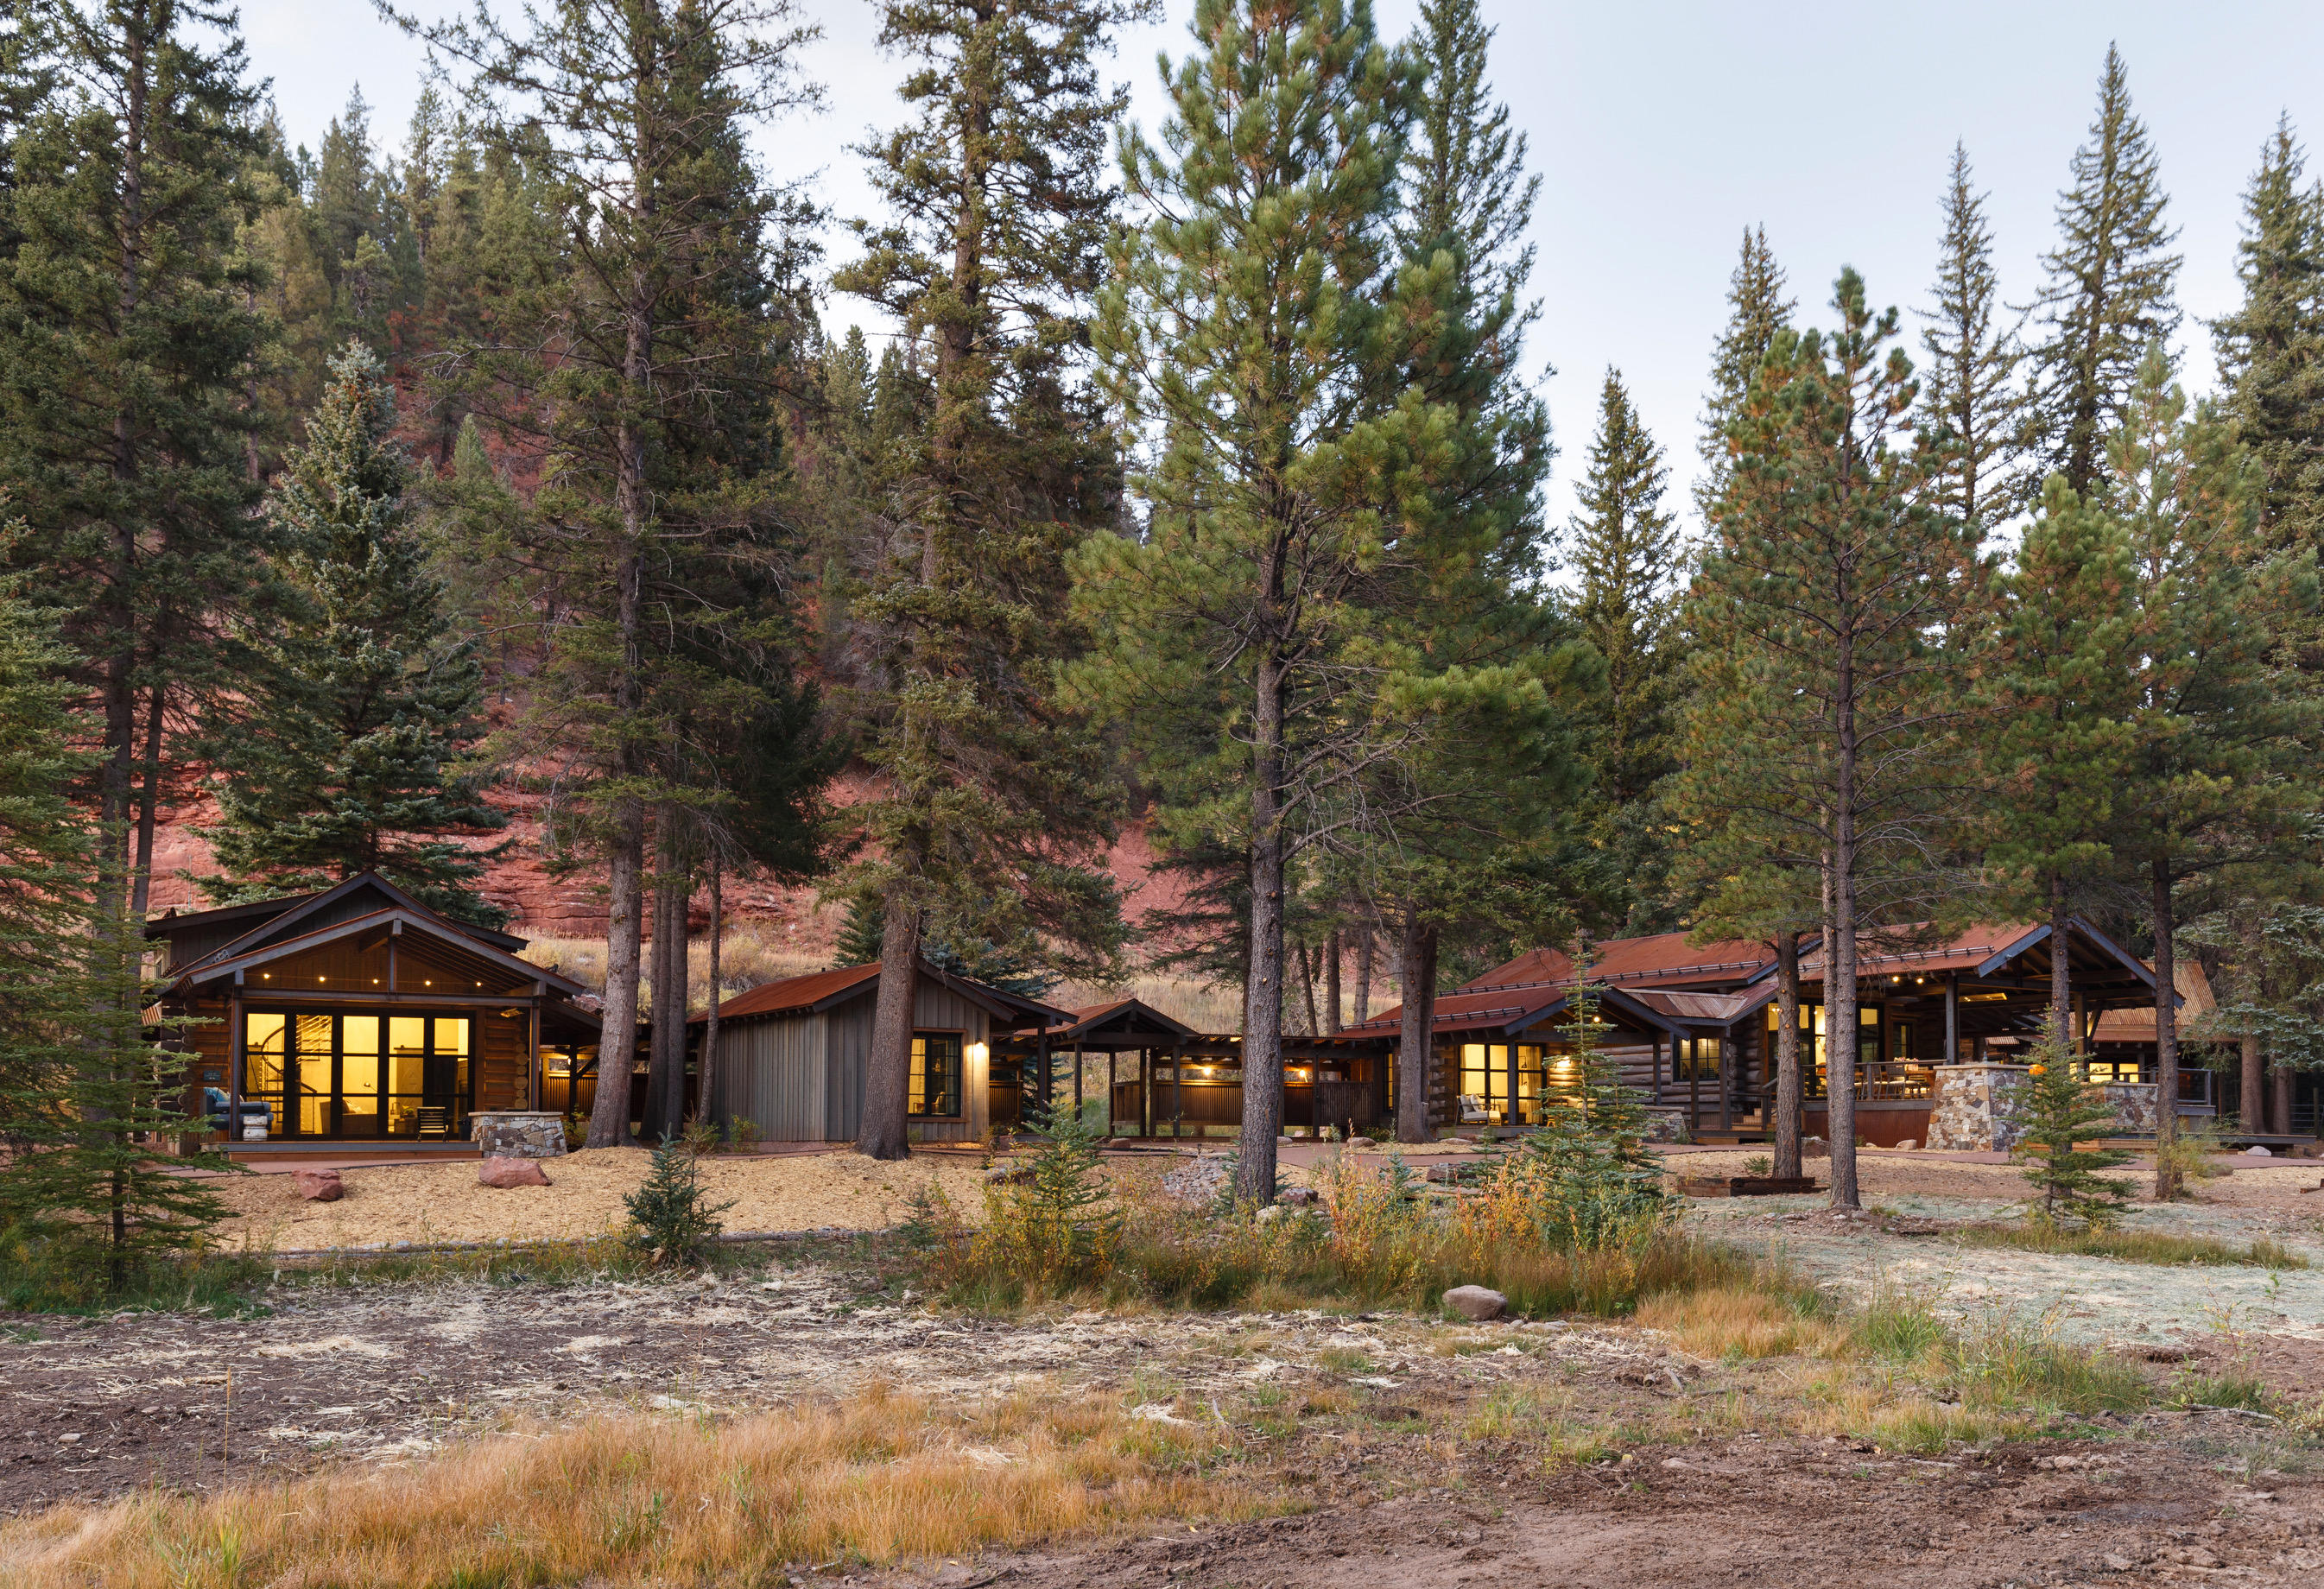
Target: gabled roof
x: 425, y: 922
x: 271, y: 922
x: 1667, y: 959
x: 821, y: 990
x: 1981, y: 950
x: 1509, y: 1013
x: 1132, y: 1015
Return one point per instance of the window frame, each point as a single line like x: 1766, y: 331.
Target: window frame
x: 917, y: 1083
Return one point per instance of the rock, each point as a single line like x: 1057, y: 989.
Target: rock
x: 1814, y: 1148
x: 1909, y: 1145
x: 510, y: 1172
x: 1475, y: 1302
x: 1300, y: 1197
x: 2259, y: 1150
x: 319, y: 1186
x: 1009, y: 1174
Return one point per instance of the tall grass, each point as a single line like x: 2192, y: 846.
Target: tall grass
x: 641, y: 1499
x: 40, y: 1275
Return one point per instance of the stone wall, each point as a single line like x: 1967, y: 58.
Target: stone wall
x: 1975, y: 1108
x: 518, y: 1133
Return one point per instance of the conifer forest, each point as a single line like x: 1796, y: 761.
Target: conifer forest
x: 1121, y: 560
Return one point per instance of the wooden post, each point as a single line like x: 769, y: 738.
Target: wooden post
x: 1177, y: 1091
x: 1952, y: 1018
x: 1693, y: 1085
x: 1654, y: 1043
x: 1726, y: 1078
x: 234, y: 1061
x: 532, y: 1051
x: 2081, y: 1023
x: 1078, y: 1084
x: 1509, y: 1110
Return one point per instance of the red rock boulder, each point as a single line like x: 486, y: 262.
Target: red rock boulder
x: 510, y: 1172
x: 319, y: 1186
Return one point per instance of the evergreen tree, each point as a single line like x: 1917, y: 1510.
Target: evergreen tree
x: 1756, y: 309
x: 1827, y: 615
x: 128, y: 343
x: 1252, y: 324
x: 2056, y: 704
x: 2109, y: 289
x: 626, y: 362
x: 1969, y: 394
x: 995, y: 807
x: 1626, y: 556
x: 1596, y: 1183
x: 2058, y: 1110
x: 2270, y: 349
x: 2219, y: 744
x: 1465, y: 182
x: 360, y: 702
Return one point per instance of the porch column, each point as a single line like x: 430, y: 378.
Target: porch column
x: 1145, y: 1092
x: 1693, y: 1084
x: 1655, y: 1043
x: 1726, y: 1078
x: 1077, y: 1081
x: 1041, y: 1108
x: 532, y: 1056
x: 1509, y: 1109
x: 1177, y: 1091
x: 2081, y: 1023
x: 234, y: 1078
x: 1952, y: 1018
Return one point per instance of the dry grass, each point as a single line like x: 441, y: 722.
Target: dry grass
x: 641, y: 1499
x: 1742, y: 1323
x: 2131, y: 1246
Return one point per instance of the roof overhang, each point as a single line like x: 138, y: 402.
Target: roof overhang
x: 422, y: 921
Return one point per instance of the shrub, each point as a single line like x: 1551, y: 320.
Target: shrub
x: 671, y: 1218
x: 1048, y: 1233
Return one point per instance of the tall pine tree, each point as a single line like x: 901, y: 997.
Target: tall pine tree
x: 2109, y: 291
x: 1626, y: 560
x: 1756, y: 309
x: 359, y: 701
x: 2270, y: 349
x: 993, y: 813
x: 1969, y: 393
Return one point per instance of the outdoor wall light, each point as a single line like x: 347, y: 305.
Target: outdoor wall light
x: 978, y: 1053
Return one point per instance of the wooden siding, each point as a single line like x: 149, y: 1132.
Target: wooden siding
x: 503, y: 1041
x: 798, y: 1076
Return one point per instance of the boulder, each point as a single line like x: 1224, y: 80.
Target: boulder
x: 506, y: 1172
x: 319, y: 1186
x: 1299, y: 1196
x: 2259, y: 1150
x: 1475, y: 1302
x: 1909, y: 1145
x: 1814, y: 1148
x: 1009, y: 1174
x: 518, y: 1133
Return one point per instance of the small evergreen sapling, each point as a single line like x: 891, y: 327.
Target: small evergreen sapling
x: 1598, y: 1184
x: 2060, y: 1107
x: 1056, y: 1227
x: 671, y: 1218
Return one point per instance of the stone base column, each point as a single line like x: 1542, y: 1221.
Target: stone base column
x: 1974, y: 1108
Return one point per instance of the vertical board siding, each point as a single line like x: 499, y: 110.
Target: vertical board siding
x: 847, y: 1049
x: 503, y: 1048
x: 937, y: 1008
x: 770, y: 1073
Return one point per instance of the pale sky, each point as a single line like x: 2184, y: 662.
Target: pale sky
x: 1660, y: 131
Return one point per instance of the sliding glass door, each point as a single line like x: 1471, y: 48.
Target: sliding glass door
x: 358, y: 1075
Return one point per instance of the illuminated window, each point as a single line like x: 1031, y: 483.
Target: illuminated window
x: 935, y: 1075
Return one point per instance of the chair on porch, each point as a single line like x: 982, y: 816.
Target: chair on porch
x: 435, y: 1121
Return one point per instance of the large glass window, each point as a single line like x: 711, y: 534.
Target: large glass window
x: 357, y: 1076
x: 1504, y: 1083
x: 935, y: 1074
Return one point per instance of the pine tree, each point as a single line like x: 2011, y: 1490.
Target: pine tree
x: 1756, y: 309
x: 1626, y: 557
x: 2109, y: 291
x: 360, y: 701
x: 1465, y: 182
x: 1827, y: 615
x: 2057, y: 1110
x: 1239, y: 634
x: 129, y: 341
x: 1596, y: 1182
x: 994, y: 810
x: 2056, y: 699
x: 624, y: 360
x: 2219, y: 743
x: 2270, y: 349
x: 1969, y: 394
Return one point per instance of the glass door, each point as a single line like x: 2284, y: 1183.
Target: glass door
x: 358, y: 1075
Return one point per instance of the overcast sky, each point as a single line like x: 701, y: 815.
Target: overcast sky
x: 1660, y: 131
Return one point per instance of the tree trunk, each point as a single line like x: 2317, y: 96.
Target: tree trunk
x: 1415, y: 968
x: 1262, y: 1025
x: 666, y: 1045
x: 888, y: 1078
x: 2251, y: 1100
x: 2062, y: 971
x: 149, y: 799
x: 2166, y: 1033
x: 708, y: 1083
x: 609, y: 1117
x: 1331, y: 948
x: 2280, y: 1116
x: 1839, y: 956
x: 1788, y: 1089
x: 1307, y: 992
x: 1364, y: 975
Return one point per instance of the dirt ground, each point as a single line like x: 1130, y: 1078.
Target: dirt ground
x: 437, y: 1202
